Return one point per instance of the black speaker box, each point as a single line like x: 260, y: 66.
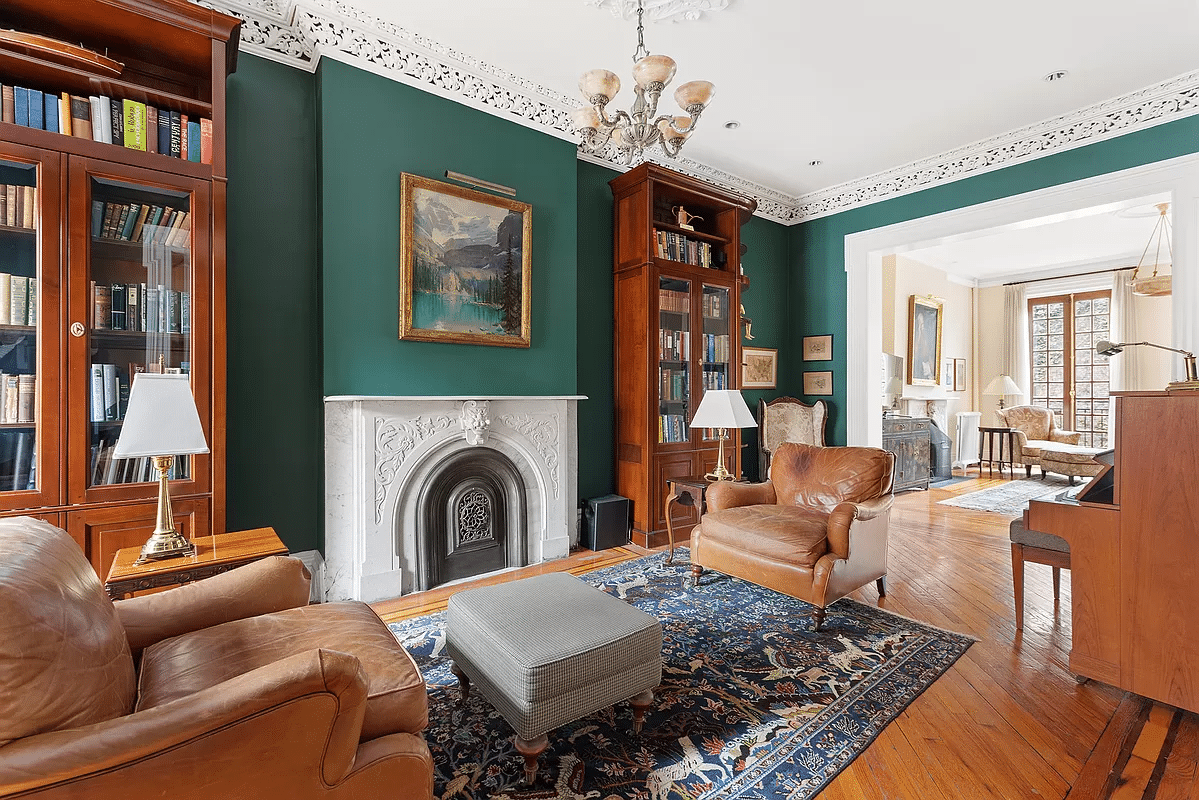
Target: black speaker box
x: 605, y: 522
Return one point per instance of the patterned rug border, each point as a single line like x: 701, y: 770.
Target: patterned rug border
x: 822, y: 745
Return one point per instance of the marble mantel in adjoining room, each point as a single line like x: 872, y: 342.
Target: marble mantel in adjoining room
x: 380, y: 451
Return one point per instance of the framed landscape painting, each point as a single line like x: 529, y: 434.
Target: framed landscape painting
x: 759, y: 367
x: 465, y: 260
x: 924, y: 341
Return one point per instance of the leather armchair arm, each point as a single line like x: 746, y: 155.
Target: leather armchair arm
x: 726, y: 494
x: 266, y: 728
x: 1065, y: 437
x: 262, y: 587
x: 844, y: 519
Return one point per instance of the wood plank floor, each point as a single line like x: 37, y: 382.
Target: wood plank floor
x: 1008, y: 720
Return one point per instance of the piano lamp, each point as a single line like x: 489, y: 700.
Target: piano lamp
x: 1191, y: 383
x: 722, y: 409
x: 162, y: 418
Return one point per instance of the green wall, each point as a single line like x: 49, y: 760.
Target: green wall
x: 818, y: 247
x: 371, y: 130
x: 274, y: 425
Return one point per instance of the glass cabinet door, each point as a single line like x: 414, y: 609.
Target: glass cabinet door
x: 29, y: 281
x: 139, y: 305
x: 674, y: 352
x: 715, y: 354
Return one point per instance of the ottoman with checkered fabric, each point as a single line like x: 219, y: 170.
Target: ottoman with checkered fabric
x: 551, y: 649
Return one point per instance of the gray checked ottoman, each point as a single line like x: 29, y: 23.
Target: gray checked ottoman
x: 551, y: 649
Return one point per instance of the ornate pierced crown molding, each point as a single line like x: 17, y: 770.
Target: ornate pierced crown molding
x: 300, y: 32
x: 661, y: 10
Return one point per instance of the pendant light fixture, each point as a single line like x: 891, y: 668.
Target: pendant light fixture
x: 1155, y: 284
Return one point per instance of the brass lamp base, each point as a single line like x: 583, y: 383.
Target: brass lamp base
x: 720, y: 472
x: 165, y: 542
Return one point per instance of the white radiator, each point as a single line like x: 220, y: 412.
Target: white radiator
x: 967, y: 438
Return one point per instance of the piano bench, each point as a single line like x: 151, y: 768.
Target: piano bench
x: 1039, y: 548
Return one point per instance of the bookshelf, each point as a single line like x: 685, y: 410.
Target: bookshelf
x: 112, y: 257
x: 677, y: 300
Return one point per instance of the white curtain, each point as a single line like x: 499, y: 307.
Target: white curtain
x: 1122, y: 372
x: 1016, y: 352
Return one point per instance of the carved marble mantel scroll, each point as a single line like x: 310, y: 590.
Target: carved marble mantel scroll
x: 380, y: 450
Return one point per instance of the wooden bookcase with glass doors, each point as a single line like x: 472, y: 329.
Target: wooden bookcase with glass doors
x: 111, y: 262
x: 677, y: 333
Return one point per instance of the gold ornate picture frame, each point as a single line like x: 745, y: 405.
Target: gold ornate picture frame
x: 465, y: 265
x: 759, y: 367
x: 924, y: 340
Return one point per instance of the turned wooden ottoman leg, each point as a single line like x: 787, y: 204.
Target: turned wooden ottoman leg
x: 463, y: 683
x: 641, y: 703
x: 881, y: 583
x: 696, y: 571
x: 531, y: 749
x: 818, y: 618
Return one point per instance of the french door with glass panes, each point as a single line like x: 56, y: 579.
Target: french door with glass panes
x: 1068, y: 376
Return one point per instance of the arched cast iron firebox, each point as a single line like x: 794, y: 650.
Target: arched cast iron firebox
x: 471, y: 518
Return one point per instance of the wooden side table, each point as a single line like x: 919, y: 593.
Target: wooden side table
x: 686, y: 492
x: 214, y: 555
x: 987, y: 438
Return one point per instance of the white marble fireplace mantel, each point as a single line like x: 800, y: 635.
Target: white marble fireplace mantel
x: 379, y: 450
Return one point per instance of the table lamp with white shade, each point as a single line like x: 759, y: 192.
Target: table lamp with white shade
x: 1002, y: 385
x: 722, y: 409
x: 162, y: 418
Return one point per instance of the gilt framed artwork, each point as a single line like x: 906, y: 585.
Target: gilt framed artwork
x: 818, y: 348
x: 465, y: 265
x: 924, y: 340
x: 759, y: 367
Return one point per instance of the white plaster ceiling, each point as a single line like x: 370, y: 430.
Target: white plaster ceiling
x: 861, y: 86
x: 1101, y: 237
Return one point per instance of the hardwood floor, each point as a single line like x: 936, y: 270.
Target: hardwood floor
x: 1008, y: 720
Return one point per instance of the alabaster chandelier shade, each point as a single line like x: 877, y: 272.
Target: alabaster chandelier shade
x: 1156, y: 284
x: 640, y: 128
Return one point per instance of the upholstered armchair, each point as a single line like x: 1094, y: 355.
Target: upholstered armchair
x: 1035, y: 427
x: 786, y: 419
x: 230, y: 687
x: 816, y: 530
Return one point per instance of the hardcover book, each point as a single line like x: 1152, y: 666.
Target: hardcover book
x: 21, y: 106
x: 5, y: 298
x: 101, y: 126
x: 151, y: 129
x: 135, y: 124
x: 193, y: 141
x: 19, y: 305
x: 81, y: 117
x: 117, y: 302
x: 205, y: 140
x: 164, y: 132
x: 37, y: 110
x: 26, y: 398
x: 102, y: 306
x: 8, y: 104
x: 64, y: 114
x: 175, y: 134
x: 50, y: 119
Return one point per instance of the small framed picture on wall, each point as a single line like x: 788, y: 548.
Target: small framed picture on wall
x: 818, y: 348
x: 947, y: 373
x: 759, y: 367
x: 959, y: 374
x: 818, y: 383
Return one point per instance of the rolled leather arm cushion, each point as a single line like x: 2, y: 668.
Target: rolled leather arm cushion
x: 1065, y: 437
x: 840, y: 521
x: 262, y: 587
x: 726, y: 494
x: 281, y: 718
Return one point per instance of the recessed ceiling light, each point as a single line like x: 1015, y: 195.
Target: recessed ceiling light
x: 815, y: 163
x: 1056, y: 75
x: 732, y: 124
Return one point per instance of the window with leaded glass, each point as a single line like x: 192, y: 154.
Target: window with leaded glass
x: 1068, y: 376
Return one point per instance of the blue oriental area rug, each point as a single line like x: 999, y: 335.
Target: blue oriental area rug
x: 752, y: 704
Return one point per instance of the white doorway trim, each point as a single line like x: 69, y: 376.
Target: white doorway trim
x: 864, y: 253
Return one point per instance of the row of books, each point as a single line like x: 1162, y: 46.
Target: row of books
x: 673, y: 301
x: 674, y: 385
x: 673, y: 345
x: 716, y: 347
x: 715, y: 379
x: 140, y: 222
x: 127, y: 123
x: 678, y: 247
x: 18, y: 206
x: 109, y: 392
x: 18, y: 460
x: 672, y: 428
x: 142, y: 308
x: 107, y: 470
x: 18, y: 300
x: 715, y: 306
x: 18, y: 398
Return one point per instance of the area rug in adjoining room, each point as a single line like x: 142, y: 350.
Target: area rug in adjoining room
x: 1010, y: 498
x: 752, y: 704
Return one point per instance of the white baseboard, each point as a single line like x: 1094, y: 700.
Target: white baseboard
x: 316, y: 565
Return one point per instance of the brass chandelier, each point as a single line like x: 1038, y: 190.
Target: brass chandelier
x: 635, y: 131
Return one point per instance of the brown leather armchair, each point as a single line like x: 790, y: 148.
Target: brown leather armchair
x: 231, y: 687
x: 816, y: 530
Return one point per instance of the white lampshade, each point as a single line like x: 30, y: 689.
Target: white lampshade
x: 1002, y: 385
x: 161, y: 419
x: 723, y: 408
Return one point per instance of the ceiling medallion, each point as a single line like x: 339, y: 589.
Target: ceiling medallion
x: 633, y: 132
x: 662, y: 10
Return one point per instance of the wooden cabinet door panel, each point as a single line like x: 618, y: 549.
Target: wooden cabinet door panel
x: 104, y: 531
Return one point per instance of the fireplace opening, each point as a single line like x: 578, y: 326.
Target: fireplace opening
x: 471, y: 518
